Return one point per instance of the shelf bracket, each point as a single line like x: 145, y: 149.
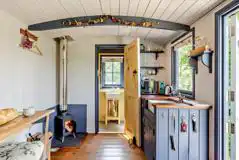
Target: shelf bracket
x: 206, y: 59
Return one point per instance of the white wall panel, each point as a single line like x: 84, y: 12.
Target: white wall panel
x: 124, y: 30
x: 73, y: 7
x: 124, y: 4
x: 180, y: 11
x: 115, y: 7
x: 133, y: 7
x: 143, y: 6
x: 27, y: 79
x: 106, y: 6
x: 153, y: 6
x: 174, y: 5
x: 50, y: 9
x: 162, y: 7
x: 92, y: 7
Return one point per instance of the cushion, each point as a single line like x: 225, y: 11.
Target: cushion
x: 21, y: 151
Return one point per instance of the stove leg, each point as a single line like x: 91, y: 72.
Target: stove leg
x: 74, y: 134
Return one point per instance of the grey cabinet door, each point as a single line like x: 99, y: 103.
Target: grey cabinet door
x: 146, y: 138
x: 183, y: 136
x: 149, y: 139
x: 203, y: 134
x: 194, y: 135
x: 173, y: 134
x: 162, y: 134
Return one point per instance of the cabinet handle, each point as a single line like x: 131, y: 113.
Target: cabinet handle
x: 194, y: 121
x: 172, y: 143
x: 153, y: 132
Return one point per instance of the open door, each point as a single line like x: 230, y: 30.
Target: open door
x: 231, y: 85
x: 132, y: 90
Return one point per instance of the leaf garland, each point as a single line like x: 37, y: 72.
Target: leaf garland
x: 104, y: 18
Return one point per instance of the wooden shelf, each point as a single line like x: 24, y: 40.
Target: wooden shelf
x: 152, y: 52
x: 153, y: 68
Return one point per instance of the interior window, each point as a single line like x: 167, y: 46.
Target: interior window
x: 183, y: 75
x: 112, y: 71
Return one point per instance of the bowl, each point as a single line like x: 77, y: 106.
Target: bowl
x: 29, y: 111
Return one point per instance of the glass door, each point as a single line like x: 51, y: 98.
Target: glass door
x: 231, y: 86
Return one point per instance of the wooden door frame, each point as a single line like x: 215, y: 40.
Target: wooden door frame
x: 219, y: 143
x: 102, y: 48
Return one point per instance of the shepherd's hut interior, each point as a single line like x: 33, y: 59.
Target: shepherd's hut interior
x: 119, y: 80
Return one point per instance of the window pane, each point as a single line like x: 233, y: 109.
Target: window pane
x: 108, y: 67
x: 112, y: 71
x: 116, y: 66
x: 108, y: 78
x: 116, y: 78
x: 185, y: 72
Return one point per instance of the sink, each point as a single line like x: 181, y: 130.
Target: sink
x: 170, y: 101
x: 162, y: 101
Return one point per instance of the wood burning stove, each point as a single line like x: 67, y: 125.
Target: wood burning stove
x: 64, y: 126
x: 64, y: 122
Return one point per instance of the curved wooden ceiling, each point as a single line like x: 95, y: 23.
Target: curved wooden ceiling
x: 180, y: 11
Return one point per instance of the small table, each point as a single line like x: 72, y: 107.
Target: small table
x: 22, y: 122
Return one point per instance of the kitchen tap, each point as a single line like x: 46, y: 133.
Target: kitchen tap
x: 180, y: 98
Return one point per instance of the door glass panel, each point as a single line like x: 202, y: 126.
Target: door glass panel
x: 231, y: 63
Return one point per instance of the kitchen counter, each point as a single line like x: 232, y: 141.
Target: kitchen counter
x: 173, y: 130
x: 161, y: 101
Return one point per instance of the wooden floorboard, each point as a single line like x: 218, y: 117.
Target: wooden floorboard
x: 101, y: 147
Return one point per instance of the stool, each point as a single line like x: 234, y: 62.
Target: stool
x: 112, y: 111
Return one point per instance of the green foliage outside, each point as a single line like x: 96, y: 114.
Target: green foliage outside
x: 185, y: 72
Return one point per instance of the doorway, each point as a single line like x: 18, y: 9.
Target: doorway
x: 231, y: 78
x: 108, y: 77
x: 131, y: 86
x: 111, y: 92
x: 227, y: 83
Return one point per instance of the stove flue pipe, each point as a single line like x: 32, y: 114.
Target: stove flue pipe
x: 63, y: 76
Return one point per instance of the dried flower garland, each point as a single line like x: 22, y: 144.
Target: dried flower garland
x: 104, y: 18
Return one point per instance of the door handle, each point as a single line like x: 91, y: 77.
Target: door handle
x: 135, y: 72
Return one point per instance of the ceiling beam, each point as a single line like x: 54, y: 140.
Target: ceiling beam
x: 71, y: 22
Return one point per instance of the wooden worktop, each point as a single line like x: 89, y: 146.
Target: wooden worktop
x: 21, y: 122
x: 193, y: 104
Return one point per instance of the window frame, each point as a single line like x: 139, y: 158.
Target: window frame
x: 187, y: 94
x: 102, y: 75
